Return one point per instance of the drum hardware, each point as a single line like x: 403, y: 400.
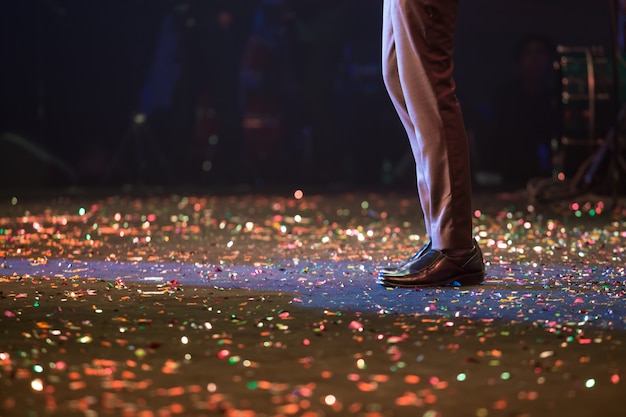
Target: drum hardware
x: 594, y: 92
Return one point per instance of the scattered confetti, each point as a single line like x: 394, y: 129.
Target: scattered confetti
x: 259, y: 305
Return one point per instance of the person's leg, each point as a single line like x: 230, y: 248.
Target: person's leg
x: 420, y: 34
x: 391, y: 78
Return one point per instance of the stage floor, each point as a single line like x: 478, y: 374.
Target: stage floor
x: 266, y: 305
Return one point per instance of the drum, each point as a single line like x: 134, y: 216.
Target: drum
x: 587, y: 104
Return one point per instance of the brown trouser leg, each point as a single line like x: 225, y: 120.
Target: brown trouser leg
x: 418, y: 42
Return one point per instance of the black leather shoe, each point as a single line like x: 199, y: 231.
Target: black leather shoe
x: 435, y: 268
x: 393, y: 268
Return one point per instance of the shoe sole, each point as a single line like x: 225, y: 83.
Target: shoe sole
x: 474, y: 278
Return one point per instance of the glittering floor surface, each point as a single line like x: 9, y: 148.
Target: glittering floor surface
x: 266, y: 305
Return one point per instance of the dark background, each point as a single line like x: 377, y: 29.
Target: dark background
x: 256, y: 92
